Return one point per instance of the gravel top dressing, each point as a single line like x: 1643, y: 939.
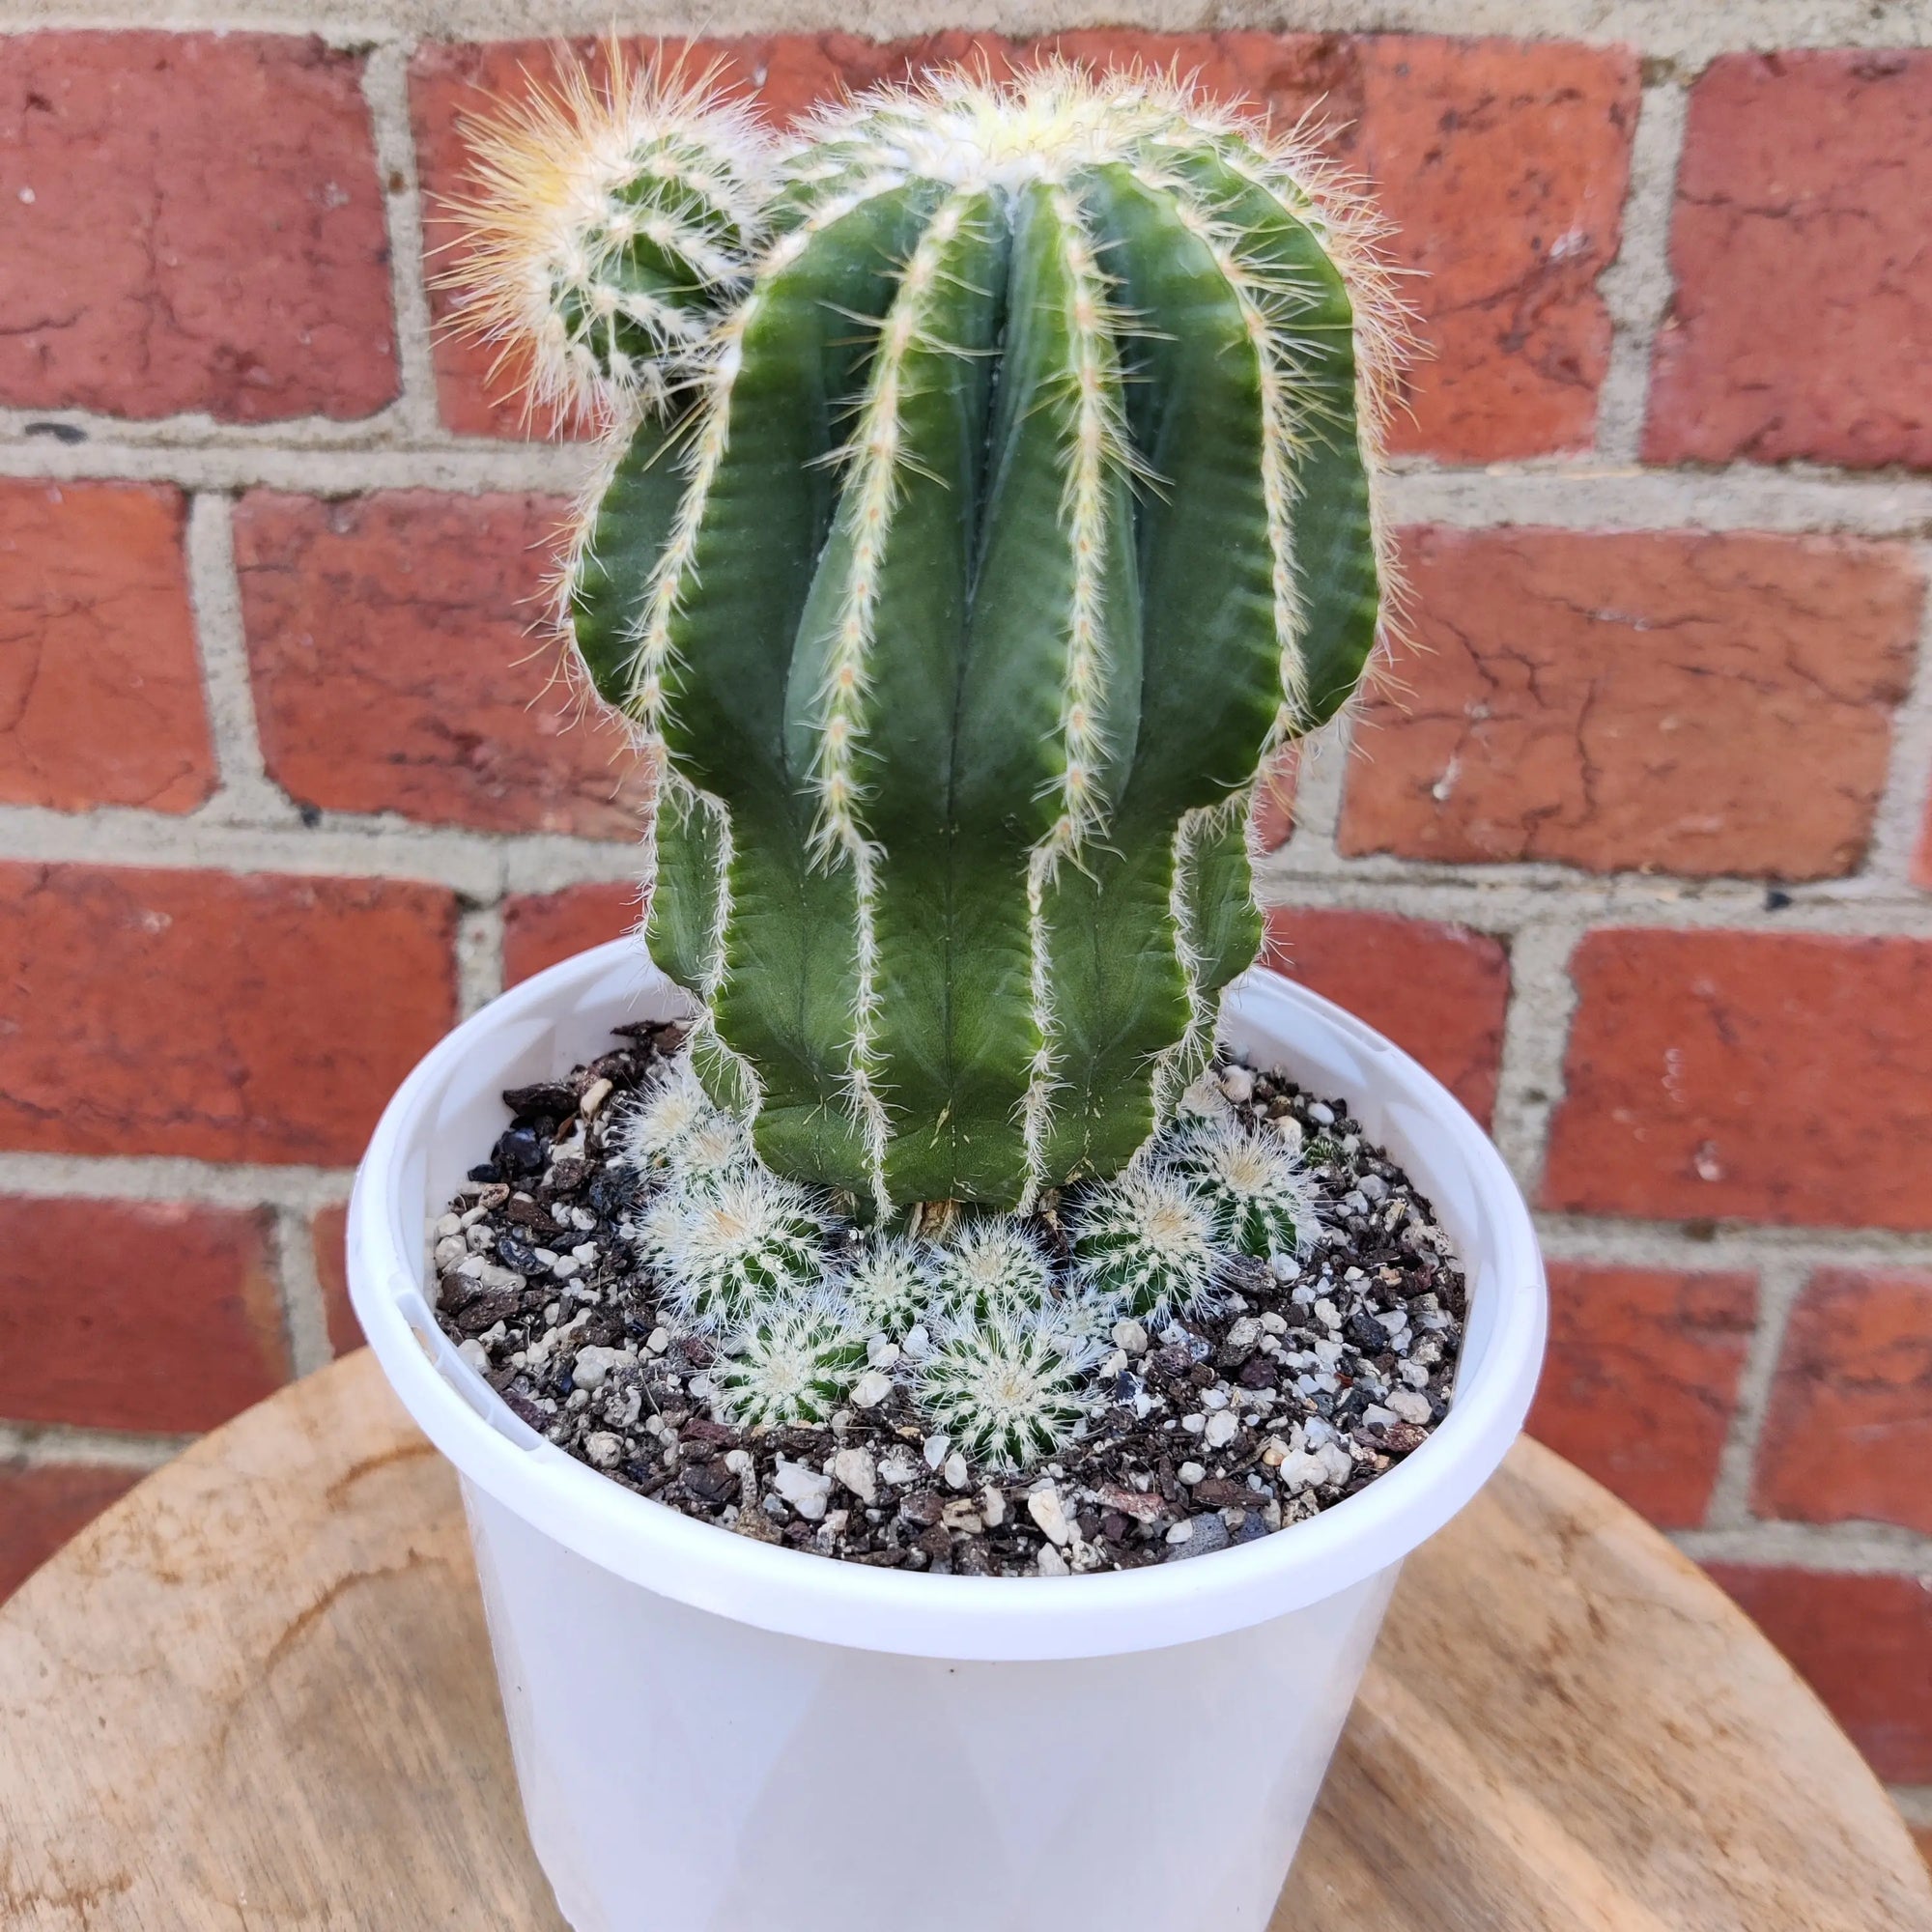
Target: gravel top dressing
x: 1303, y: 1379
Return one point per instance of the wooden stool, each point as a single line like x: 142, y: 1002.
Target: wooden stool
x: 256, y: 1694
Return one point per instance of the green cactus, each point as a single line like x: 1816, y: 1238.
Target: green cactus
x: 1013, y: 504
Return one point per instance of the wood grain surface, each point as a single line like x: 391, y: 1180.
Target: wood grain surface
x: 256, y: 1694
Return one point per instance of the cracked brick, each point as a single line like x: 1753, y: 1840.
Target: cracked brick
x: 150, y: 1314
x: 402, y: 662
x: 1860, y: 1642
x: 46, y: 1504
x: 1438, y: 992
x: 1503, y: 162
x: 192, y: 223
x: 1641, y: 1379
x: 1776, y: 1077
x: 1847, y: 1433
x: 1667, y: 700
x: 223, y: 1016
x: 101, y: 699
x: 1803, y: 285
x: 542, y: 928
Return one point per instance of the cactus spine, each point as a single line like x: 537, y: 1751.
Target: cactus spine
x: 989, y: 489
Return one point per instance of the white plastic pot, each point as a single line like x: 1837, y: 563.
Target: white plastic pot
x: 716, y: 1735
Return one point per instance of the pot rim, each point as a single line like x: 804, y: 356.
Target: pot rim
x: 810, y: 1596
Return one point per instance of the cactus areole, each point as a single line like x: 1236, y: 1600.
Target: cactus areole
x: 989, y: 492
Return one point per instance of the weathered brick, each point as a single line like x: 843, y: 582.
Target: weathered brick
x: 1503, y: 162
x: 1803, y: 171
x: 1642, y: 1379
x: 328, y: 1236
x: 143, y: 1315
x: 1273, y: 811
x: 249, y: 1017
x: 542, y: 928
x: 1860, y: 1642
x: 1848, y: 1434
x: 1770, y: 1076
x: 99, y: 691
x: 1672, y: 700
x: 401, y: 664
x: 192, y: 223
x: 1438, y: 992
x: 45, y: 1505
x: 1503, y: 165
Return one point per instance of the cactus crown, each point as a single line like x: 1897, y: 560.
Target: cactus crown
x: 989, y: 490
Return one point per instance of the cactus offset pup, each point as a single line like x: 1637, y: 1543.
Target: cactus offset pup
x: 989, y: 491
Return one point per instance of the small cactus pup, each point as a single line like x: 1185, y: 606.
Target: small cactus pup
x: 990, y: 489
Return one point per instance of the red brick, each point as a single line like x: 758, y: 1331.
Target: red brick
x: 1503, y: 165
x: 542, y: 928
x: 136, y: 1314
x: 47, y: 1505
x: 1671, y: 700
x: 100, y: 690
x: 1770, y: 1076
x: 1801, y: 172
x: 1848, y: 1435
x: 1642, y: 1379
x: 192, y: 221
x: 203, y: 1014
x: 1860, y: 1642
x: 402, y: 663
x: 1438, y: 992
x: 328, y: 1235
x: 1273, y: 813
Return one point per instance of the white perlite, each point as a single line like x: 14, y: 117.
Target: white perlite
x: 1046, y: 1509
x: 856, y: 1469
x: 807, y: 1491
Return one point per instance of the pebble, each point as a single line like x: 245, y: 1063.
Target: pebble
x: 856, y: 1469
x: 1182, y: 1531
x: 1239, y: 1085
x: 1194, y: 1424
x: 475, y: 1355
x: 1321, y: 1115
x: 1289, y: 1129
x: 993, y: 1506
x: 449, y: 1223
x: 955, y: 1472
x: 896, y: 1467
x: 1050, y: 1513
x: 605, y: 1450
x: 490, y: 1278
x: 882, y: 1353
x: 935, y: 1448
x: 1284, y: 1268
x: 807, y: 1491
x: 871, y: 1389
x: 1050, y: 1562
x: 1223, y: 1426
x: 449, y: 1251
x: 660, y: 1341
x: 1409, y: 1406
x: 1245, y: 1331
x: 592, y: 1367
x: 1191, y: 1474
x: 595, y: 1097
x: 1131, y: 1335
x: 1327, y: 1313
x: 1275, y: 1325
x: 739, y: 1462
x: 1206, y: 1534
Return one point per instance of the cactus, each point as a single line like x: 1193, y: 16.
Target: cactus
x: 991, y: 1266
x: 1008, y: 1391
x: 890, y: 1288
x: 1147, y: 1242
x: 1260, y: 1197
x: 789, y: 1362
x: 728, y: 1247
x: 988, y: 492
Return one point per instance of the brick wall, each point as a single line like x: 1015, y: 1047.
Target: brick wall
x: 1633, y: 849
